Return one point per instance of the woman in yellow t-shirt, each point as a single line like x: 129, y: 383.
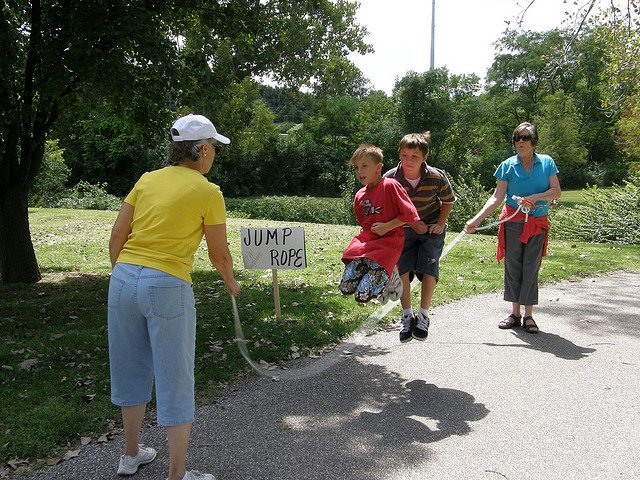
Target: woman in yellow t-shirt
x: 151, y: 312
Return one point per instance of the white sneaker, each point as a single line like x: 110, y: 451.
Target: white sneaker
x: 129, y: 465
x: 393, y: 289
x: 196, y: 475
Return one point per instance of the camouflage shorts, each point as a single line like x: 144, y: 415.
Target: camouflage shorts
x: 364, y: 279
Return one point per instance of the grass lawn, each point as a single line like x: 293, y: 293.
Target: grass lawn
x: 54, y: 374
x: 571, y: 198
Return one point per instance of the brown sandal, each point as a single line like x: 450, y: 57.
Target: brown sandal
x: 529, y: 324
x: 510, y: 322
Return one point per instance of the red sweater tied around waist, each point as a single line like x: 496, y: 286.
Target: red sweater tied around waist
x: 532, y: 226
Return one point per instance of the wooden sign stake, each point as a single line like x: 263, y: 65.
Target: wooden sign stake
x: 276, y: 293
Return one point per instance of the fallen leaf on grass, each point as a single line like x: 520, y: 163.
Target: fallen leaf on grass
x: 28, y: 364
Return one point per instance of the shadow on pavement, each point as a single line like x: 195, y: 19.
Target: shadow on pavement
x: 547, y: 343
x: 356, y: 421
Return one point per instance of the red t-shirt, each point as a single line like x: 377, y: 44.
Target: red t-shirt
x: 381, y: 203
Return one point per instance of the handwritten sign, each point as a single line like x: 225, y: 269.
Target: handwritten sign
x: 273, y: 248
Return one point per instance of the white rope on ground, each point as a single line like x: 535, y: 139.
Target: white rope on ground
x: 242, y: 343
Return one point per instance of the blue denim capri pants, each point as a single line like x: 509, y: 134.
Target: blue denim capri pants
x: 152, y: 333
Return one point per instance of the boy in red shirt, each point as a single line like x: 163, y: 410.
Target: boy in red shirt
x: 382, y: 207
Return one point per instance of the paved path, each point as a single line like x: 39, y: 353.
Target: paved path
x: 472, y: 402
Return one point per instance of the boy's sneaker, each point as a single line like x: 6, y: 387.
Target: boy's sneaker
x: 196, y: 475
x: 407, y: 327
x: 420, y: 328
x: 394, y: 287
x: 393, y: 290
x: 129, y: 465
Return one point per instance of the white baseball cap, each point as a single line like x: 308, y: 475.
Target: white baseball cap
x: 195, y: 127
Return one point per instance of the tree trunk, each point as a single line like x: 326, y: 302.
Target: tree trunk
x: 18, y: 263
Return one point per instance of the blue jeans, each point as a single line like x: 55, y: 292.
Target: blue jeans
x: 152, y: 332
x: 421, y: 253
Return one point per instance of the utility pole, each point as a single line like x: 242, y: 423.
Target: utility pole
x: 433, y: 32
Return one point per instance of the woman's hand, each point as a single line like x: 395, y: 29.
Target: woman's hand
x: 470, y: 226
x: 527, y: 202
x: 234, y: 287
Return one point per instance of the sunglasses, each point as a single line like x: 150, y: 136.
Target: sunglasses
x: 524, y: 138
x: 217, y: 148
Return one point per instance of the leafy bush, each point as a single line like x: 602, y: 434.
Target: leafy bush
x: 88, y: 196
x: 288, y: 209
x: 607, y: 216
x: 471, y: 197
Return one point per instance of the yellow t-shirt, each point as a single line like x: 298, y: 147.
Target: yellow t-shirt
x: 171, y: 207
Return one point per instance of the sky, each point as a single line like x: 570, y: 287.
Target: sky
x: 400, y: 33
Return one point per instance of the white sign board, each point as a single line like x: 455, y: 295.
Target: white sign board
x: 273, y: 248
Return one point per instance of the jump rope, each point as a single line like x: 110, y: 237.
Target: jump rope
x: 365, y: 327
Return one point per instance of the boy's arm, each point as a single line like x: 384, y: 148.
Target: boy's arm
x: 439, y: 226
x: 419, y: 227
x: 381, y: 228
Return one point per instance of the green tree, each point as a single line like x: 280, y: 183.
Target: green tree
x: 289, y: 104
x: 559, y: 132
x: 376, y: 121
x: 139, y: 54
x: 606, y: 38
x: 50, y: 51
x: 425, y: 103
x: 468, y: 134
x: 340, y: 77
x: 527, y: 67
x: 325, y: 142
x: 629, y: 133
x: 620, y: 36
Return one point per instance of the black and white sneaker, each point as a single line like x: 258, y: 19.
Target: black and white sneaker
x: 420, y: 330
x: 407, y: 328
